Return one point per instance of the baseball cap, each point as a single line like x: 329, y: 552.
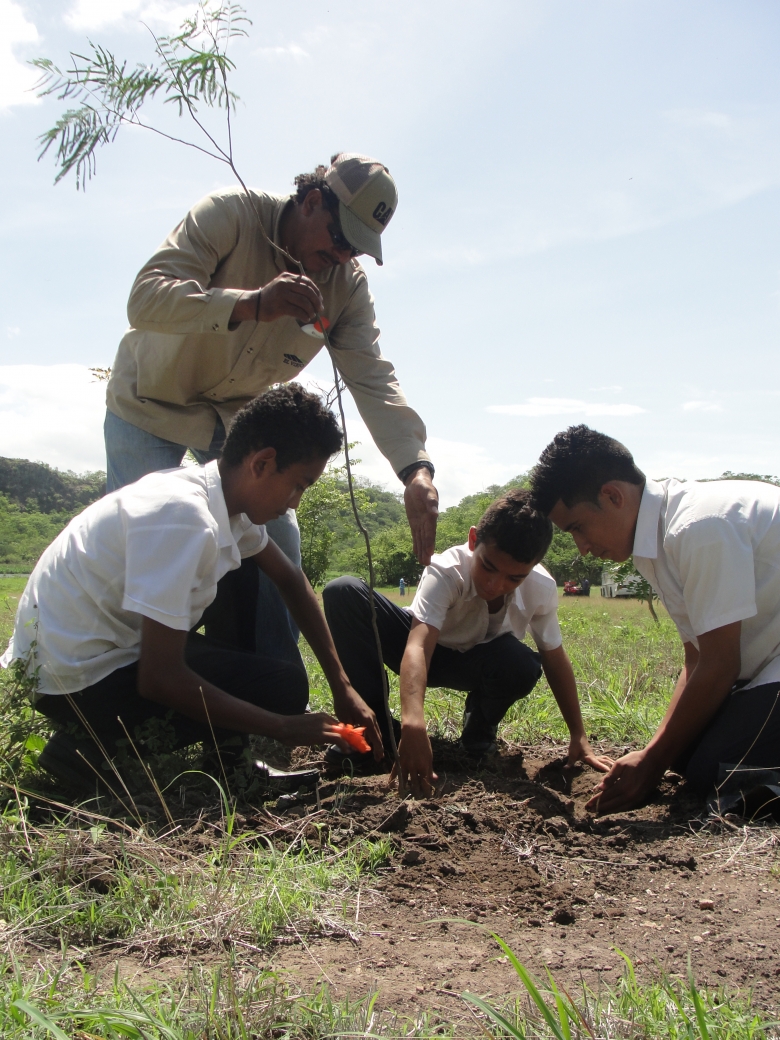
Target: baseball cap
x: 367, y: 200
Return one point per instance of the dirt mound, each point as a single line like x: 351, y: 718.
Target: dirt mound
x: 511, y: 850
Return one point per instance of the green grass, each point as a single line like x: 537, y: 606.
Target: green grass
x: 69, y: 889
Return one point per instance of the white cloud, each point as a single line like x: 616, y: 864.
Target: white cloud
x: 692, y: 117
x: 54, y: 414
x: 461, y: 469
x: 538, y: 406
x: 702, y: 406
x: 16, y: 77
x: 12, y: 331
x: 292, y: 50
x: 87, y: 15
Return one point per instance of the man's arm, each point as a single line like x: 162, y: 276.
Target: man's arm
x: 560, y: 675
x: 165, y: 678
x: 300, y: 600
x: 414, y: 749
x: 704, y: 683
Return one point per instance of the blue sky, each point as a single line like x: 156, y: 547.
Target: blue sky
x: 587, y: 227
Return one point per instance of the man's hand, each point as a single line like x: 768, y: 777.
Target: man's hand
x: 350, y: 707
x: 581, y: 751
x: 629, y: 780
x: 292, y: 295
x: 416, y: 755
x: 311, y: 728
x: 422, y: 509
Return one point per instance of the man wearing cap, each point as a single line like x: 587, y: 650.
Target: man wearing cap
x: 218, y: 315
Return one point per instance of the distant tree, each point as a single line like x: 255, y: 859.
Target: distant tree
x: 323, y: 501
x: 564, y: 562
x: 765, y: 478
x: 641, y: 587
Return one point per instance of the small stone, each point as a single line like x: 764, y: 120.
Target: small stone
x: 534, y: 922
x: 698, y: 939
x: 669, y: 948
x: 706, y: 904
x: 412, y: 857
x: 447, y: 867
x: 420, y: 989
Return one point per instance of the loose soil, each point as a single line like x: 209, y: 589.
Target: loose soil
x: 510, y: 849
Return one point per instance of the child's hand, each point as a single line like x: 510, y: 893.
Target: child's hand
x: 312, y: 728
x: 581, y: 751
x: 416, y: 755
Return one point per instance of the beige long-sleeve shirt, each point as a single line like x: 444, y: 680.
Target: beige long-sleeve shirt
x: 179, y: 363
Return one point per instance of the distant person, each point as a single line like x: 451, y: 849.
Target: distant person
x: 585, y: 586
x: 402, y: 588
x: 106, y: 624
x: 217, y: 316
x: 463, y: 630
x: 711, y: 551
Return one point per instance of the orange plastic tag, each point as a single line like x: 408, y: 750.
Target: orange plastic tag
x: 353, y: 735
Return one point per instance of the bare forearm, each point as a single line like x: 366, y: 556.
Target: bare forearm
x: 694, y: 703
x: 300, y: 600
x: 189, y: 694
x: 414, y: 676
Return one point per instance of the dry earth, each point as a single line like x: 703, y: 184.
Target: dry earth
x: 511, y: 850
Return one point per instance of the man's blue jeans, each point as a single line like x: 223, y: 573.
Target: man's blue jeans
x: 131, y: 453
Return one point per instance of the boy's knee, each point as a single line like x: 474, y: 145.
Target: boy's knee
x: 342, y: 592
x: 296, y: 695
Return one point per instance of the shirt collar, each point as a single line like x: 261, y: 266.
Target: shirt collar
x: 217, y: 504
x: 646, y: 535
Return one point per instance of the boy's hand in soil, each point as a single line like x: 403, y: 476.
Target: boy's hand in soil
x: 416, y: 755
x: 630, y: 780
x: 581, y: 751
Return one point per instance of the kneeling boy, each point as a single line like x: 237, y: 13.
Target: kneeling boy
x: 711, y: 551
x: 463, y: 630
x: 106, y: 624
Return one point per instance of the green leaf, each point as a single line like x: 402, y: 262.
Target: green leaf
x: 40, y: 1019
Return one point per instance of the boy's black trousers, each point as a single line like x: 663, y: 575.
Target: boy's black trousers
x: 494, y: 674
x: 225, y: 657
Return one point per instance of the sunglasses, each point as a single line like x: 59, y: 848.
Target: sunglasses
x: 340, y: 242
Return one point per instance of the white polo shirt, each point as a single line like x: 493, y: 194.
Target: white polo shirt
x: 447, y: 600
x: 712, y: 553
x: 155, y: 549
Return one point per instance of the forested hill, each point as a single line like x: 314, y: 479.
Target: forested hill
x: 36, y: 502
x: 37, y: 488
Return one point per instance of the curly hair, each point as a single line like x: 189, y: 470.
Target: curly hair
x: 516, y: 526
x: 306, y: 182
x: 288, y: 418
x: 575, y: 466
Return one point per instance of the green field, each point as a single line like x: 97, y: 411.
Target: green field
x: 73, y: 885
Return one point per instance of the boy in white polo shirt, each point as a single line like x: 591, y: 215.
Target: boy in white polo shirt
x: 106, y: 624
x: 463, y: 630
x: 711, y: 550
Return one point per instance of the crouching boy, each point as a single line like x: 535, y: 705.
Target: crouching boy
x: 106, y: 624
x: 463, y: 630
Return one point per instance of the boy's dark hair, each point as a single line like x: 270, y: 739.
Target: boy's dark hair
x: 516, y: 526
x: 288, y: 418
x: 576, y: 465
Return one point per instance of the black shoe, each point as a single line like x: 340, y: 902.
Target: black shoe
x: 479, y: 736
x: 61, y: 758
